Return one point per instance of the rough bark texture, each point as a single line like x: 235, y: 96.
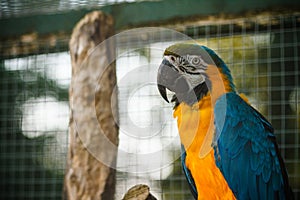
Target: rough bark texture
x: 90, y: 172
x: 139, y: 192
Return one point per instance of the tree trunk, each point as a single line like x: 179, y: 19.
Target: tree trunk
x: 93, y: 133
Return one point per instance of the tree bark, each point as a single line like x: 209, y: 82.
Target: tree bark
x: 93, y: 131
x: 139, y: 192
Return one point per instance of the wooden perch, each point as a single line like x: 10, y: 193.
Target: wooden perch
x: 93, y: 106
x: 139, y: 192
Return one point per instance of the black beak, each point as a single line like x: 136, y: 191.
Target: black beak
x: 169, y: 78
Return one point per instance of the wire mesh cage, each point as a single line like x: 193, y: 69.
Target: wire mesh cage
x: 26, y: 8
x: 262, y: 53
x: 263, y: 67
x: 34, y: 121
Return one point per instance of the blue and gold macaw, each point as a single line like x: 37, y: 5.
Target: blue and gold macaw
x: 229, y: 150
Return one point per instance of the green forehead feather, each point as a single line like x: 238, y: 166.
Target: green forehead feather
x: 182, y: 49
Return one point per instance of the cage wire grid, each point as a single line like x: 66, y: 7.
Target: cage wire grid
x: 25, y: 8
x: 264, y: 60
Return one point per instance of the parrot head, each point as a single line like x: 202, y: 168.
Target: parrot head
x: 184, y: 72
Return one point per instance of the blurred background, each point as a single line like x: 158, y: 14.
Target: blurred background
x: 259, y: 41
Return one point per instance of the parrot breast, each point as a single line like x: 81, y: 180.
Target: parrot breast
x: 196, y: 129
x: 195, y: 125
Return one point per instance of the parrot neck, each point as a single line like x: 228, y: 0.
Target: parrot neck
x: 220, y: 83
x: 222, y: 69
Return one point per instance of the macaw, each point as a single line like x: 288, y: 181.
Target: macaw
x: 229, y: 149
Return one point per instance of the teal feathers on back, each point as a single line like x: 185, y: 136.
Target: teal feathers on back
x: 246, y: 151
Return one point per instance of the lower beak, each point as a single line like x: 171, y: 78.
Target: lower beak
x: 169, y: 78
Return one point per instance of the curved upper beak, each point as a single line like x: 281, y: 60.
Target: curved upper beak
x: 169, y: 78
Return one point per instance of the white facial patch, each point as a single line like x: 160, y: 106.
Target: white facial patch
x: 191, y: 64
x: 196, y: 61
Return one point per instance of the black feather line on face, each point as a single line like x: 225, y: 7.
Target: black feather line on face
x: 199, y: 91
x: 181, y: 68
x: 193, y: 73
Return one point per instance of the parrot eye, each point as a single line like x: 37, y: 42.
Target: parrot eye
x: 195, y: 61
x: 173, y: 58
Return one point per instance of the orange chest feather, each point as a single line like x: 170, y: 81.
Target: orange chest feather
x: 196, y: 129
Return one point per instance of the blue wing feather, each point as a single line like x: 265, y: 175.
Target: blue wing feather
x: 188, y: 174
x: 248, y: 155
